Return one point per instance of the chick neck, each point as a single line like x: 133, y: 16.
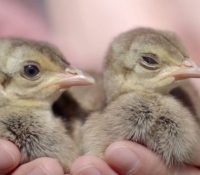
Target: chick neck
x: 29, y: 103
x: 114, y: 93
x: 13, y: 101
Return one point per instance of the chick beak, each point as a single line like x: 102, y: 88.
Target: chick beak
x: 187, y: 69
x: 73, y: 77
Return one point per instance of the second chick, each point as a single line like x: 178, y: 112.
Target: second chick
x: 141, y: 67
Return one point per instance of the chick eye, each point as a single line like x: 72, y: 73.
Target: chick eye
x: 31, y: 71
x: 149, y: 62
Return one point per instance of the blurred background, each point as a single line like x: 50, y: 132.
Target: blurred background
x: 83, y: 29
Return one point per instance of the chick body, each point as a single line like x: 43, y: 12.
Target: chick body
x: 140, y: 69
x: 153, y: 121
x: 37, y: 133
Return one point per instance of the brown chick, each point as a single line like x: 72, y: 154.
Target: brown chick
x: 141, y: 67
x: 32, y: 76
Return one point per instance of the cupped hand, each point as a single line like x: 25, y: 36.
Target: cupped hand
x: 127, y: 158
x: 124, y: 158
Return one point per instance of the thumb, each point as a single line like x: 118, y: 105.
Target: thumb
x: 131, y: 158
x: 9, y: 156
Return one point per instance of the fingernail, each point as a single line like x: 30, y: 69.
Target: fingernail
x: 87, y: 171
x: 7, y: 159
x: 125, y: 157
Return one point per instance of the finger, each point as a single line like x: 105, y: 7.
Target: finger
x: 41, y: 166
x: 9, y: 156
x: 90, y: 165
x: 131, y: 158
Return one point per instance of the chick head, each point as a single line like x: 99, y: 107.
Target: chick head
x: 147, y: 60
x: 35, y: 70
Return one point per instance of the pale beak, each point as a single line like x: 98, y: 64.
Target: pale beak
x: 188, y: 69
x: 73, y: 77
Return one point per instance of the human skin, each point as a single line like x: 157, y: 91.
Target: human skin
x: 127, y: 158
x: 124, y: 158
x: 10, y: 158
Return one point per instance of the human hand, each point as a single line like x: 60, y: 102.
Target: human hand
x: 120, y: 158
x: 10, y: 158
x: 127, y: 158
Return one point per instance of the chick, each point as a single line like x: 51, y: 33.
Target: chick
x: 32, y: 76
x: 141, y: 67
